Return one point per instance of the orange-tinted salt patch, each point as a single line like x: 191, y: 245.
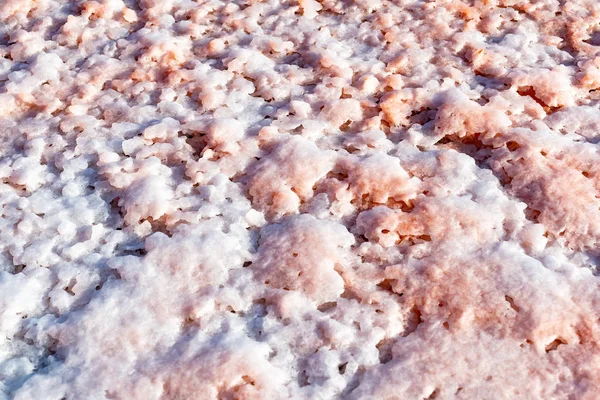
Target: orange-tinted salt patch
x: 285, y: 177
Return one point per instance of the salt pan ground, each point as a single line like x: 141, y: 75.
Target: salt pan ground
x: 299, y: 199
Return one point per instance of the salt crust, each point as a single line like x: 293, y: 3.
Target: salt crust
x: 308, y: 199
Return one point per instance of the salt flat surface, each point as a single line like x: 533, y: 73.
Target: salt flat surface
x: 305, y: 199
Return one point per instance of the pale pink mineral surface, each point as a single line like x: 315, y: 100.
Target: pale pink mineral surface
x: 299, y: 199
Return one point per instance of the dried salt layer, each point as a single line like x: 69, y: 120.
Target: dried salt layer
x: 299, y: 199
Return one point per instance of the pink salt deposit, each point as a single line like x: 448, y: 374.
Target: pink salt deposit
x: 299, y: 199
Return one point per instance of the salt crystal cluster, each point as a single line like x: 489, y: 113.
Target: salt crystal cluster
x: 299, y: 199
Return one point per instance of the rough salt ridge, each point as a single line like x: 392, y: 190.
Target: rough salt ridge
x: 306, y: 199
